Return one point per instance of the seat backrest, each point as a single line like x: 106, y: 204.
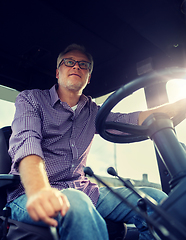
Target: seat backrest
x: 18, y: 230
x: 5, y: 160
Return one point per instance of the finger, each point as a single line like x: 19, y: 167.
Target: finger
x: 60, y: 202
x: 49, y: 208
x: 50, y: 221
x: 56, y: 202
x: 38, y: 213
x: 66, y: 205
x: 33, y: 214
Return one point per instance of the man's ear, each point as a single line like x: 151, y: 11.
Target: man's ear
x: 57, y: 73
x: 89, y: 79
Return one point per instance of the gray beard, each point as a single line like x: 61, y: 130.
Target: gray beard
x: 75, y: 87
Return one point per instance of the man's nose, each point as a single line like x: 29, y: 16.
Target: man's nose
x: 76, y: 65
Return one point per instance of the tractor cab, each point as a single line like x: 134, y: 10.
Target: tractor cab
x: 139, y: 52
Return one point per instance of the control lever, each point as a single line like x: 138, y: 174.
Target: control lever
x: 164, y: 232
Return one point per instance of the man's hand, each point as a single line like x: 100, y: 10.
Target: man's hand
x: 46, y: 204
x: 171, y: 109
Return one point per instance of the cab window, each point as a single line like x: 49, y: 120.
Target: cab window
x: 176, y: 90
x: 7, y: 107
x: 132, y: 160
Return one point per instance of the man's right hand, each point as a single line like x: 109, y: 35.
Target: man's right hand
x: 46, y: 204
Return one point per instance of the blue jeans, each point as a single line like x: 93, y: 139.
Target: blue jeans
x: 84, y: 221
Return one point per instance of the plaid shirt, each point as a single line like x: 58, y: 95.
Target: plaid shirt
x: 49, y: 128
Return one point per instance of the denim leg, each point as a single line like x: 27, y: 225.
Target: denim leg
x: 111, y: 207
x: 82, y: 221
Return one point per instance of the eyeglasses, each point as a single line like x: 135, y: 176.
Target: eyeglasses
x: 70, y: 63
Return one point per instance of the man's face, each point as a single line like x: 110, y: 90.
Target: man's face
x: 73, y: 78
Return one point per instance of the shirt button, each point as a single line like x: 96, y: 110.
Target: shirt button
x: 72, y: 145
x: 72, y: 165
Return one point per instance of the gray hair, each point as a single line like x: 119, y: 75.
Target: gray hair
x: 76, y: 47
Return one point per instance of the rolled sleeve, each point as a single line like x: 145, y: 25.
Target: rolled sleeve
x: 26, y: 130
x: 130, y: 118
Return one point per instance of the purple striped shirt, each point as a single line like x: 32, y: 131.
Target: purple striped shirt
x: 49, y: 128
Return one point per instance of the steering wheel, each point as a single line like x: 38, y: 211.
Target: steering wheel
x: 135, y: 133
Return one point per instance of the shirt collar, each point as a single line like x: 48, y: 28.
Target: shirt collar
x: 54, y: 96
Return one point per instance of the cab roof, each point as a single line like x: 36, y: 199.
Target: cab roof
x: 126, y: 39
